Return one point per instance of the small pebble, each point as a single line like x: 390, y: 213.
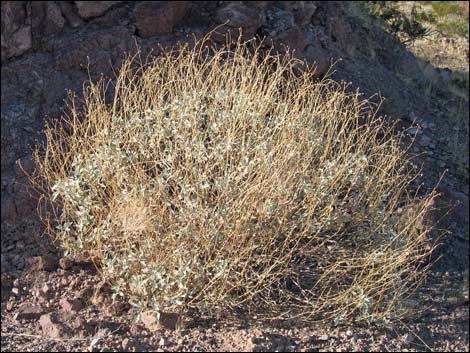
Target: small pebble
x: 125, y: 343
x: 408, y: 338
x: 163, y: 342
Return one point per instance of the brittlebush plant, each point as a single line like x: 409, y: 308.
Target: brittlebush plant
x: 220, y: 179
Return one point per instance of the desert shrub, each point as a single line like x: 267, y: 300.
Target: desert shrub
x: 423, y: 19
x: 219, y: 180
x: 450, y: 17
x: 426, y: 16
x: 406, y: 27
x: 446, y: 8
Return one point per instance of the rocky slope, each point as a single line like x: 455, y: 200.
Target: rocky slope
x: 49, y: 47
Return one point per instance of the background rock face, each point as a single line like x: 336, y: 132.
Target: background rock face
x: 49, y: 47
x: 234, y: 16
x: 47, y: 19
x: 159, y: 17
x: 16, y: 29
x: 89, y: 9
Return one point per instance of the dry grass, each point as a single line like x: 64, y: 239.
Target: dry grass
x: 224, y: 182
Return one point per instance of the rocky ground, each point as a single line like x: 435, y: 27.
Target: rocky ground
x: 62, y: 306
x: 53, y: 303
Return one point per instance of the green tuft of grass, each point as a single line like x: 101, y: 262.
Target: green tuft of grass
x: 455, y: 27
x: 422, y: 18
x: 449, y: 17
x: 407, y: 27
x: 445, y: 8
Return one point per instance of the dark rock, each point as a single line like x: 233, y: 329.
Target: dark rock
x: 154, y: 18
x: 459, y: 203
x: 62, y: 325
x: 341, y: 32
x: 40, y: 263
x: 16, y: 28
x: 23, y: 81
x: 5, y: 295
x: 258, y: 5
x: 118, y: 16
x: 235, y: 17
x: 95, y: 51
x: 66, y: 263
x: 167, y: 320
x: 277, y: 21
x: 292, y: 39
x: 68, y: 11
x: 81, y: 260
x: 24, y: 166
x: 238, y: 15
x: 70, y: 305
x: 29, y: 313
x: 282, y: 32
x: 8, y: 208
x: 51, y: 326
x: 116, y: 308
x: 46, y: 18
x: 89, y: 9
x: 5, y: 281
x: 462, y: 207
x: 316, y: 58
x: 78, y: 325
x: 86, y: 292
x: 302, y: 10
x: 5, y: 287
x: 25, y: 199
